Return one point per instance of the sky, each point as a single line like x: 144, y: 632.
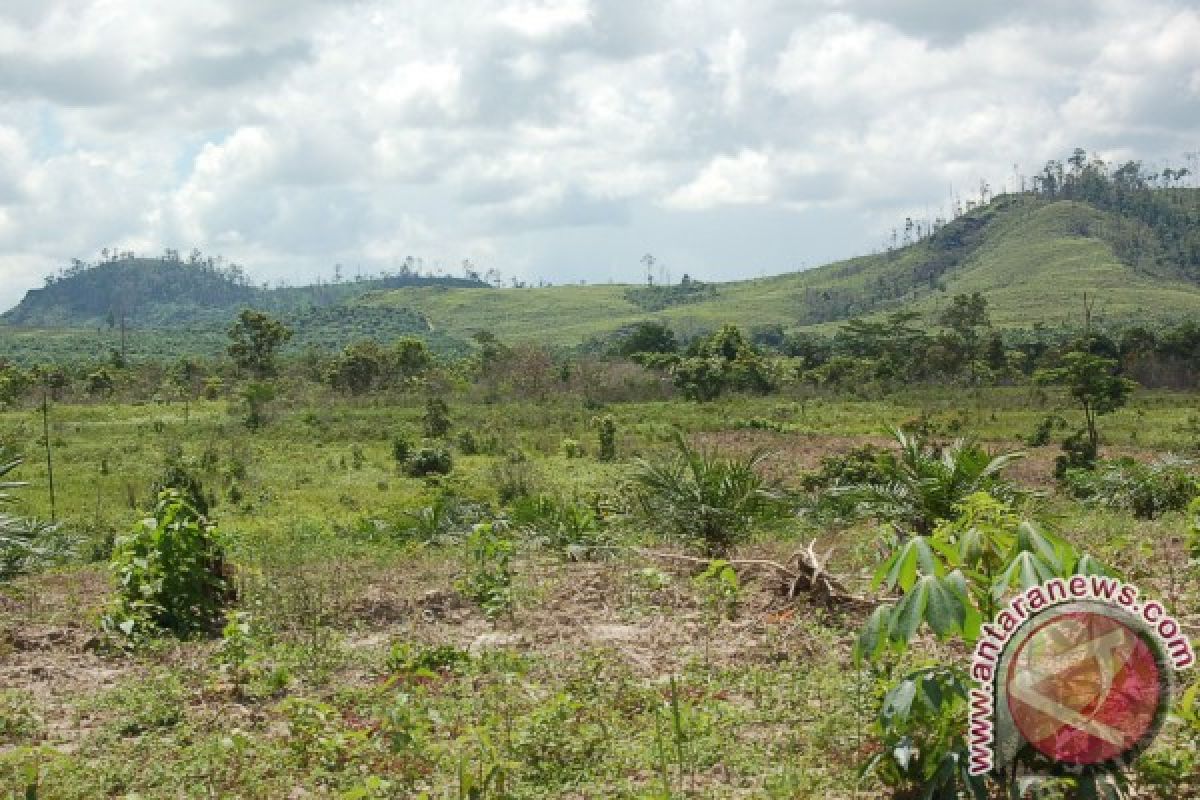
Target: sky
x: 555, y: 140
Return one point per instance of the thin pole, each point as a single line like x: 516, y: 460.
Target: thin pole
x: 49, y: 460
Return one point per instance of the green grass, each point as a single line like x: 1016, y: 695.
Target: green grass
x: 613, y: 678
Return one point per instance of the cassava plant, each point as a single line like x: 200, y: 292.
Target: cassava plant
x: 950, y: 582
x: 170, y: 573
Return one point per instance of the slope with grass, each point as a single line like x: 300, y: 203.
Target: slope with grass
x: 1032, y: 259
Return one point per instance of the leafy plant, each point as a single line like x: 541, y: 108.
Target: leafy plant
x: 719, y: 586
x: 256, y: 397
x: 607, y: 433
x: 514, y: 476
x: 700, y: 496
x: 568, y: 526
x: 437, y: 417
x: 1147, y: 490
x: 949, y: 582
x: 24, y: 543
x: 410, y: 660
x: 177, y: 474
x: 170, y: 573
x: 402, y: 448
x: 488, y: 576
x: 924, y: 483
x: 431, y: 459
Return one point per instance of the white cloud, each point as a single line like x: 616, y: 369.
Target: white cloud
x: 557, y: 139
x: 727, y: 180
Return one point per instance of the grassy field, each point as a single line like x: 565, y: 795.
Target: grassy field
x: 359, y: 667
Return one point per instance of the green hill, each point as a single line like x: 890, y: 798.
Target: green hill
x: 1032, y: 258
x: 168, y: 292
x: 1136, y: 251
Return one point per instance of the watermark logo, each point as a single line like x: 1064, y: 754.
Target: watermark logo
x: 1078, y: 669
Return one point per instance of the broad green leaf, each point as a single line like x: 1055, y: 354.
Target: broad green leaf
x: 874, y: 635
x: 1088, y: 565
x: 945, y: 610
x: 897, y: 703
x: 1026, y: 570
x: 933, y: 601
x: 902, y: 568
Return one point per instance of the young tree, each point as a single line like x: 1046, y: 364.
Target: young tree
x: 1093, y: 383
x: 255, y: 339
x: 966, y: 318
x: 649, y: 337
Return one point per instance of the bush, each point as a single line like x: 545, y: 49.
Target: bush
x: 696, y: 495
x: 170, y: 573
x: 924, y: 482
x: 514, y: 476
x: 25, y: 544
x: 1045, y: 429
x: 1146, y: 490
x: 429, y: 460
x: 437, y: 417
x: 568, y: 526
x: 608, y: 437
x: 177, y: 475
x: 862, y: 466
x: 401, y: 448
x: 488, y: 576
x: 467, y: 444
x: 1078, y: 453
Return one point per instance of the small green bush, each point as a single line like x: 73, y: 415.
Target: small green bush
x: 402, y: 448
x: 467, y: 444
x: 170, y: 573
x: 488, y: 576
x: 608, y: 437
x: 514, y: 476
x: 1146, y: 490
x: 430, y: 460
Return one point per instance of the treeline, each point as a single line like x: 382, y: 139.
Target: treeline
x: 959, y: 347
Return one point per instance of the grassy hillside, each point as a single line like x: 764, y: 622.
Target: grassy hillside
x: 1033, y: 260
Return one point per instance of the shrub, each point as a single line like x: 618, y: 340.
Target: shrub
x: 170, y: 572
x: 1147, y: 490
x: 401, y: 448
x: 24, y: 543
x: 514, y: 476
x: 569, y: 526
x: 437, y: 417
x: 430, y: 460
x: 467, y: 444
x: 572, y: 448
x: 1045, y: 429
x: 861, y: 466
x: 924, y: 483
x: 607, y: 427
x: 696, y: 495
x: 177, y: 475
x: 1078, y: 453
x: 488, y: 576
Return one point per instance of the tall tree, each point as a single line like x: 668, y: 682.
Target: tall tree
x: 255, y: 339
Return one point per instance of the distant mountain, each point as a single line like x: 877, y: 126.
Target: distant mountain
x: 169, y: 292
